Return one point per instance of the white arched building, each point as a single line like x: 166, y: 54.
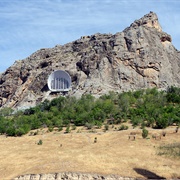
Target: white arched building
x: 59, y: 81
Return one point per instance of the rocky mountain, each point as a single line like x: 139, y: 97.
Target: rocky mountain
x: 141, y: 56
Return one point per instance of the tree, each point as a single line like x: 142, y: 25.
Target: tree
x: 6, y: 111
x: 144, y: 133
x: 173, y: 94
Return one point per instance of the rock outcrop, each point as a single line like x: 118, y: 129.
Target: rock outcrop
x: 70, y: 176
x: 142, y: 56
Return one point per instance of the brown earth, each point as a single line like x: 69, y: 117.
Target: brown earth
x: 113, y: 153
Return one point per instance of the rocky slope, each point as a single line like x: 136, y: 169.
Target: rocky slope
x: 71, y: 176
x: 142, y: 56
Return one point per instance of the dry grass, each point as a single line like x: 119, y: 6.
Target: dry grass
x: 112, y: 154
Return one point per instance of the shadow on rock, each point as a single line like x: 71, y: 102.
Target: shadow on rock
x: 148, y: 174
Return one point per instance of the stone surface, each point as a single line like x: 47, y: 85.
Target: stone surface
x: 142, y: 56
x: 71, y: 176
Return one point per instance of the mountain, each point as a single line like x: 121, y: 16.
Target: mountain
x: 141, y: 56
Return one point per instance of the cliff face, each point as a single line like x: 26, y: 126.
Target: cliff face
x: 142, y: 56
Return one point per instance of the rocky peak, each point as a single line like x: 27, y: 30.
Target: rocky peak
x: 142, y: 56
x: 149, y: 20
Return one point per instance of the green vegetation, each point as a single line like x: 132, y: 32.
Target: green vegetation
x: 40, y: 142
x: 144, y: 108
x: 145, y: 133
x: 123, y: 127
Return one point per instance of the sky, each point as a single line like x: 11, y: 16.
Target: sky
x: 29, y: 25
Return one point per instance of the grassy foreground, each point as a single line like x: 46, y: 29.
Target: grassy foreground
x: 113, y: 153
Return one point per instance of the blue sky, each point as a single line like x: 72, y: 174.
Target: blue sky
x: 29, y: 25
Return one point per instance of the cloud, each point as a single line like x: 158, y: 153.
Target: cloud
x: 27, y: 26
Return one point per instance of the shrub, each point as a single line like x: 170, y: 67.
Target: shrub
x: 123, y: 127
x: 40, y: 142
x: 68, y: 129
x: 144, y: 133
x: 20, y: 132
x: 106, y: 127
x: 60, y: 128
x: 50, y: 128
x: 89, y: 125
x: 6, y: 111
x: 98, y: 124
x: 73, y: 127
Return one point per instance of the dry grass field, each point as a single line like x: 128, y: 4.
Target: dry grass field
x: 113, y: 153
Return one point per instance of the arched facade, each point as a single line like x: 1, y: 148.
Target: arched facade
x: 59, y: 81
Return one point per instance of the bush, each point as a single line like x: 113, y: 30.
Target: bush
x: 73, y: 127
x: 148, y: 108
x: 88, y: 125
x: 123, y: 127
x: 40, y: 142
x: 173, y: 94
x: 144, y: 133
x: 68, y: 129
x: 50, y: 128
x: 6, y: 111
x: 60, y: 128
x: 98, y: 124
x: 106, y: 127
x: 20, y: 132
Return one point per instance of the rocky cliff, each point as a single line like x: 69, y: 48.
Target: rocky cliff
x: 142, y: 56
x: 71, y: 176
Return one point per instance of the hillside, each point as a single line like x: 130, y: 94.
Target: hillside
x: 113, y: 153
x: 142, y: 56
x: 94, y: 138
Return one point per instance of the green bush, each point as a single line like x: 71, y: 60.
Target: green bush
x: 123, y: 127
x: 6, y: 111
x: 50, y: 128
x: 73, y: 127
x: 88, y: 125
x: 40, y: 142
x: 106, y: 127
x: 68, y: 129
x: 60, y: 128
x: 173, y: 94
x: 148, y: 108
x: 144, y: 133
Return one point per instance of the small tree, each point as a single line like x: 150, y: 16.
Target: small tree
x: 68, y: 129
x: 144, y: 133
